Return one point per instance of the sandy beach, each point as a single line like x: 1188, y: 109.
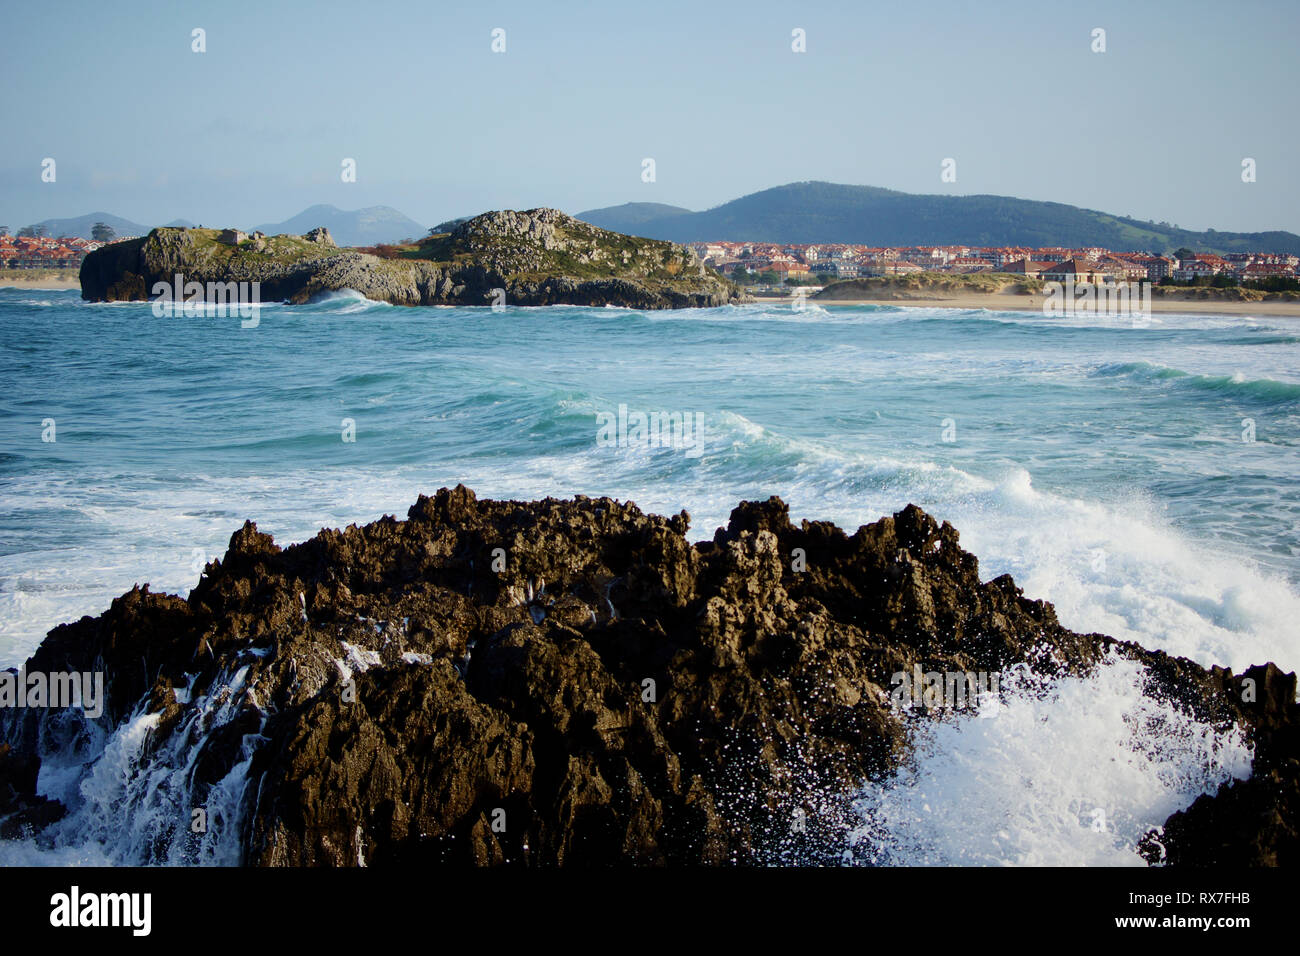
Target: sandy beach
x: 49, y: 283
x: 1034, y: 303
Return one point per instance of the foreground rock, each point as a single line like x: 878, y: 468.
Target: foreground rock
x: 22, y: 810
x: 574, y: 682
x: 538, y: 257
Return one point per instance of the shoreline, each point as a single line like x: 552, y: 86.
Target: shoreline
x: 49, y: 285
x: 1022, y: 302
x: 998, y: 301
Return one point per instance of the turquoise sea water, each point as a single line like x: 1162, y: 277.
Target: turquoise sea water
x: 1100, y: 463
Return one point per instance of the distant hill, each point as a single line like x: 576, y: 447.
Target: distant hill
x: 828, y: 212
x: 628, y: 217
x: 359, y: 227
x: 81, y: 225
x: 449, y: 225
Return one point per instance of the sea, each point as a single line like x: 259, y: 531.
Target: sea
x: 1141, y: 475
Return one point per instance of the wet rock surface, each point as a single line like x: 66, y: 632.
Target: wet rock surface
x: 575, y: 682
x: 22, y: 810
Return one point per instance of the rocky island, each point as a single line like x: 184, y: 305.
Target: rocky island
x: 569, y: 682
x: 537, y: 257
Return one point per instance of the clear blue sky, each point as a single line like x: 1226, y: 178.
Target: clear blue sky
x: 254, y: 129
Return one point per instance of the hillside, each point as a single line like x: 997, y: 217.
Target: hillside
x: 828, y: 212
x: 81, y: 225
x: 548, y: 242
x: 627, y: 217
x: 358, y: 227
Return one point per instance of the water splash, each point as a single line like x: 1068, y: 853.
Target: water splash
x: 1071, y: 772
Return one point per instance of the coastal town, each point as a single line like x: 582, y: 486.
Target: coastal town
x: 816, y: 264
x: 46, y: 252
x: 751, y: 262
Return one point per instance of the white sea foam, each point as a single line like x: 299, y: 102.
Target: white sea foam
x: 131, y: 799
x: 1073, y: 773
x: 346, y: 302
x: 1122, y: 569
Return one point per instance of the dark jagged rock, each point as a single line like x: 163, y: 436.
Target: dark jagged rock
x: 22, y: 810
x: 574, y: 682
x: 538, y: 257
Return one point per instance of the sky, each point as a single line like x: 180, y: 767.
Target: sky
x: 257, y: 127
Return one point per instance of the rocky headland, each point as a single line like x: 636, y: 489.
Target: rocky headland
x: 575, y: 682
x: 537, y: 257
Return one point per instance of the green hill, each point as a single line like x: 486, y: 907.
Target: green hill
x: 632, y: 214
